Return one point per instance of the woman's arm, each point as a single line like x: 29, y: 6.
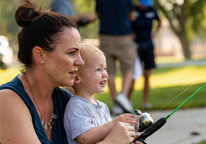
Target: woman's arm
x: 78, y: 17
x: 122, y: 133
x: 132, y: 16
x: 15, y: 120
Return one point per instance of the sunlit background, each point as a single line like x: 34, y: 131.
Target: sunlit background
x: 182, y: 34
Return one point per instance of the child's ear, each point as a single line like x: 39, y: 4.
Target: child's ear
x: 76, y: 80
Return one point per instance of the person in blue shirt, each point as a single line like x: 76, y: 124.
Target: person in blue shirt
x: 33, y: 103
x: 116, y: 42
x: 143, y: 33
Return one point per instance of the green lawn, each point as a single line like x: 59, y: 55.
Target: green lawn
x: 166, y: 83
x: 202, y: 142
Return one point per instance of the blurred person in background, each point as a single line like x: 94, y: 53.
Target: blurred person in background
x: 116, y: 42
x: 143, y: 33
x: 65, y: 7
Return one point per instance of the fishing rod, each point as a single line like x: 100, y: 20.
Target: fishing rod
x: 145, y: 121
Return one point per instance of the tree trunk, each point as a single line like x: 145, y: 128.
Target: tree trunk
x: 185, y: 47
x: 180, y: 31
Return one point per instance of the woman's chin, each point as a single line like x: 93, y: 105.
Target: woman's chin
x: 70, y: 83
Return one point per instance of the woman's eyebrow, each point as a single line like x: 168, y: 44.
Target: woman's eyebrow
x: 73, y: 48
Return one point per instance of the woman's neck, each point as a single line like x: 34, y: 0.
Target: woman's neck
x: 38, y: 85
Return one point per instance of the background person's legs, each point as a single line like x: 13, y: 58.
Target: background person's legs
x: 119, y: 48
x: 147, y: 57
x: 122, y: 98
x: 146, y: 89
x: 126, y: 83
x: 116, y: 110
x: 112, y: 86
x: 126, y: 54
x: 131, y: 90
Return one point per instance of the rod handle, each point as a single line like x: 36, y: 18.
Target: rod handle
x: 157, y: 125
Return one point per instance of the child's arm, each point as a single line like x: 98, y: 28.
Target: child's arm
x: 97, y: 134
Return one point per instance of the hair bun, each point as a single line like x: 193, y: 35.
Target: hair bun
x: 26, y: 13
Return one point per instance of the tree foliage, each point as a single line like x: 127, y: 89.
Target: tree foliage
x: 8, y: 26
x: 186, y: 18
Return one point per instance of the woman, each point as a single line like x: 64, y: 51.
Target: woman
x: 32, y: 104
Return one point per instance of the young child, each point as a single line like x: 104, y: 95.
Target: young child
x: 87, y: 120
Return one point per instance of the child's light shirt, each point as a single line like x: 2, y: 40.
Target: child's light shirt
x: 81, y: 115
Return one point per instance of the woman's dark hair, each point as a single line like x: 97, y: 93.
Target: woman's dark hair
x: 41, y: 29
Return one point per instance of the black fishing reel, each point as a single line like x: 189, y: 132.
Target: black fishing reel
x: 144, y: 121
x: 145, y: 124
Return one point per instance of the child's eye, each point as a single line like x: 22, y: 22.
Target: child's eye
x: 98, y: 69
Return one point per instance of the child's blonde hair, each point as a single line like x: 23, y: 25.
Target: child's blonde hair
x: 86, y: 52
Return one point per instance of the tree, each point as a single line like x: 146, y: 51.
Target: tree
x: 186, y: 18
x: 7, y: 21
x: 8, y: 25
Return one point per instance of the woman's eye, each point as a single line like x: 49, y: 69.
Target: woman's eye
x: 72, y: 53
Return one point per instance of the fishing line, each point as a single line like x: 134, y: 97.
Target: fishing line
x: 186, y: 101
x: 176, y: 97
x: 159, y: 123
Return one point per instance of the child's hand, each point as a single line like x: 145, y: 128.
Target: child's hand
x: 127, y: 118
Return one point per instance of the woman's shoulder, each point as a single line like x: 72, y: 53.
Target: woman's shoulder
x: 10, y: 90
x: 8, y: 95
x: 14, y: 109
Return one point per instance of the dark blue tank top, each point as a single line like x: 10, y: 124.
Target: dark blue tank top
x: 60, y: 99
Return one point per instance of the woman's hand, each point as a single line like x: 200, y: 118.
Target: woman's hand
x: 137, y: 142
x: 122, y: 133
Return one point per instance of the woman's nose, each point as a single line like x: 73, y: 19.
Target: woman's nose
x: 79, y: 61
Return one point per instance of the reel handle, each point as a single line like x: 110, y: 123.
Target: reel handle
x: 157, y: 125
x: 140, y: 139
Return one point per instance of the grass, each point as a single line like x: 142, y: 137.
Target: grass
x: 8, y: 74
x: 166, y: 84
x: 202, y: 142
x: 159, y: 97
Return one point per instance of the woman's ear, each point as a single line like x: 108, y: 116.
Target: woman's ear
x: 39, y: 54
